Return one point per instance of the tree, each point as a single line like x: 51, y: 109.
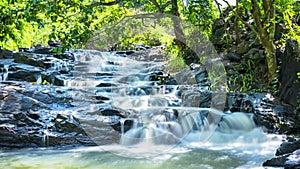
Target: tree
x: 264, y: 19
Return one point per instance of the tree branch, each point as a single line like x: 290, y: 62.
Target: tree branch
x: 241, y: 19
x: 257, y: 16
x: 155, y: 3
x: 267, y: 13
x: 165, y: 5
x: 107, y: 3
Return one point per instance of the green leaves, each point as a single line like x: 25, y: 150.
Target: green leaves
x: 201, y: 13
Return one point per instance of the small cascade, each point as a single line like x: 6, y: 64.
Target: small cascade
x: 39, y: 79
x: 160, y: 127
x: 4, y: 73
x: 236, y: 122
x: 45, y: 140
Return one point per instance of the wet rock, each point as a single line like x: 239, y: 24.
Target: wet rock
x: 117, y: 119
x: 25, y: 75
x: 43, y: 50
x: 32, y: 116
x: 127, y: 52
x: 6, y: 54
x: 162, y: 78
x: 287, y: 156
x: 276, y: 161
x: 288, y: 147
x: 141, y: 47
x: 66, y: 55
x: 166, y: 115
x: 43, y: 128
x: 29, y: 59
x: 239, y: 102
x: 196, y: 98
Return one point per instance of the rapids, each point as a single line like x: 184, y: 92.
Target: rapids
x: 163, y: 133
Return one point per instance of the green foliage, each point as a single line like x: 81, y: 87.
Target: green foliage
x: 289, y: 15
x: 45, y: 82
x: 201, y: 13
x: 28, y: 22
x: 176, y: 61
x: 146, y: 38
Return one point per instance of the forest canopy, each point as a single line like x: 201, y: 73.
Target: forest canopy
x: 26, y: 23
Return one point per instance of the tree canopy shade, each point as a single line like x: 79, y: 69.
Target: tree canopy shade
x: 25, y: 23
x: 28, y: 22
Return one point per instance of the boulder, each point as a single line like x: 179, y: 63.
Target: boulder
x: 6, y: 54
x: 287, y: 156
x: 289, y: 81
x: 30, y: 116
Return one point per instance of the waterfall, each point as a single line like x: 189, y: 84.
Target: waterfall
x: 156, y: 120
x: 45, y: 139
x: 158, y: 128
x: 4, y: 73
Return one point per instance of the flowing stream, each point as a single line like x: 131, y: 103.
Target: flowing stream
x: 162, y: 133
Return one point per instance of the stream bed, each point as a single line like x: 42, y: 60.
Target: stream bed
x: 246, y: 151
x: 111, y: 110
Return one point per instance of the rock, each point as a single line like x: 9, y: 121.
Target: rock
x: 116, y: 117
x: 141, y: 47
x: 243, y: 48
x: 127, y: 52
x: 288, y: 147
x: 54, y: 43
x: 24, y: 75
x: 218, y: 23
x: 276, y: 161
x: 6, y: 54
x: 255, y: 54
x: 217, y: 38
x: 233, y: 57
x: 21, y: 72
x: 27, y: 118
x: 29, y: 59
x: 43, y: 50
x: 288, y: 156
x: 196, y: 98
x: 289, y: 81
x: 293, y: 160
x: 279, y: 30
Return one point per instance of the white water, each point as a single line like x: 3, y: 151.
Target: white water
x: 247, y: 150
x: 191, y: 138
x: 4, y: 74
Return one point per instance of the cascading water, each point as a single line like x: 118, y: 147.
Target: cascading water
x: 4, y: 69
x: 159, y: 119
x: 157, y: 125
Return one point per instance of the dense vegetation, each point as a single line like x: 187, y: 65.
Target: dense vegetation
x: 26, y: 23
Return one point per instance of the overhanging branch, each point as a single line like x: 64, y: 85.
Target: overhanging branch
x: 107, y: 3
x: 241, y: 19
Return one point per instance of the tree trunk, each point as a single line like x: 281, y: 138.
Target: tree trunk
x: 236, y: 24
x: 271, y: 60
x: 180, y: 39
x: 266, y: 30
